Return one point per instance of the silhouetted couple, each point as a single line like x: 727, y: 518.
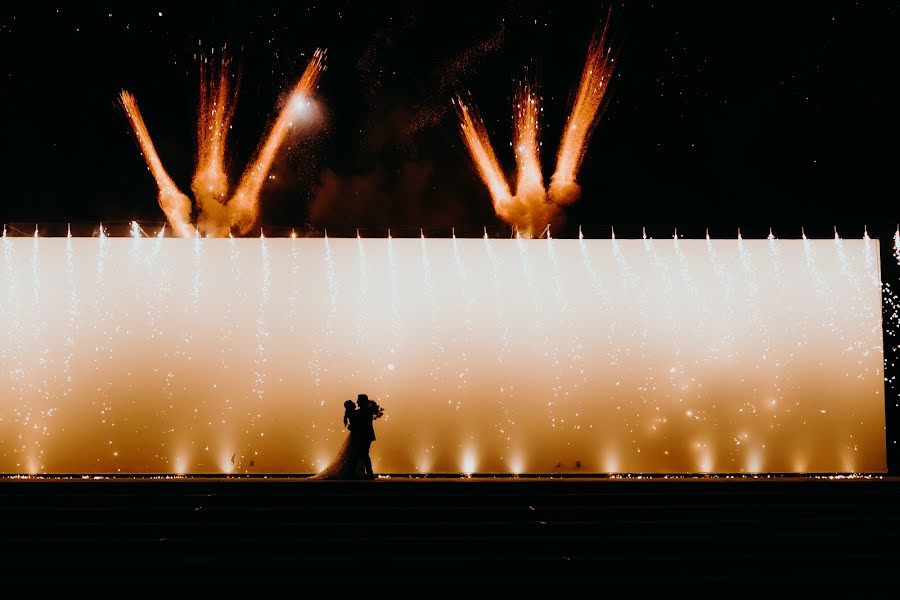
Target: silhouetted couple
x: 352, y: 460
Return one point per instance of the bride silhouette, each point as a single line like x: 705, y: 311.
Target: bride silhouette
x: 351, y: 460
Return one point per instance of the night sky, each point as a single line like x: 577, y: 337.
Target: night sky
x: 721, y: 115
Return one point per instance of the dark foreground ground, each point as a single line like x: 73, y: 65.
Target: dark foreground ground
x: 709, y: 536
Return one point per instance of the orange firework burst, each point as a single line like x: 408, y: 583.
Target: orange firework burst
x: 175, y: 205
x: 532, y: 210
x: 582, y: 120
x: 533, y: 207
x: 476, y: 138
x: 210, y: 183
x: 218, y: 214
x: 243, y: 209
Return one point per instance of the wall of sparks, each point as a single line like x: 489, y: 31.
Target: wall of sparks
x: 179, y: 356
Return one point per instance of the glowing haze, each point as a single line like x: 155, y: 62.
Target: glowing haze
x: 219, y: 215
x: 532, y: 207
x: 160, y: 355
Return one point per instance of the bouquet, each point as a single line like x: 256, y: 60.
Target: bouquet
x: 377, y: 410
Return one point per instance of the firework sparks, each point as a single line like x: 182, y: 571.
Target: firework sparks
x: 175, y: 205
x: 528, y: 160
x: 218, y: 214
x: 533, y: 207
x: 594, y: 82
x: 897, y: 245
x: 533, y: 211
x: 479, y: 145
x: 243, y: 209
x: 210, y: 183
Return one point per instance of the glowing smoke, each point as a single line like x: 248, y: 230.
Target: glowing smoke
x: 219, y: 215
x: 532, y: 207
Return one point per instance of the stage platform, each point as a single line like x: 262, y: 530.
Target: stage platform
x: 514, y: 532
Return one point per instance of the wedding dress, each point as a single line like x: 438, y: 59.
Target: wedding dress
x: 345, y: 465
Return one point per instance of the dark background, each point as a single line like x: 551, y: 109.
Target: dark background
x: 721, y: 114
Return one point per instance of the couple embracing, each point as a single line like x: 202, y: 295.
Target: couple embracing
x: 352, y: 460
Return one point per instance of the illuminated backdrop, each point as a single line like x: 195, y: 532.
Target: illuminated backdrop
x: 152, y: 355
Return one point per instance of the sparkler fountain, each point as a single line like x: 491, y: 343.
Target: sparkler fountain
x: 491, y: 356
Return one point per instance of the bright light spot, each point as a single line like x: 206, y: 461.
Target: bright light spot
x: 469, y: 464
x: 754, y: 461
x: 610, y: 462
x: 705, y: 458
x: 423, y: 465
x: 302, y: 107
x: 226, y: 463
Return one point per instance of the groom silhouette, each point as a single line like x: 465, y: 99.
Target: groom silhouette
x: 363, y: 433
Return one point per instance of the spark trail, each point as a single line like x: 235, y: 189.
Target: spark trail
x: 210, y: 182
x: 478, y: 143
x: 532, y: 211
x: 243, y: 208
x: 582, y: 120
x: 175, y: 205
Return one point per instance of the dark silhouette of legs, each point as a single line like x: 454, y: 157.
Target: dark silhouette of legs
x: 366, y: 460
